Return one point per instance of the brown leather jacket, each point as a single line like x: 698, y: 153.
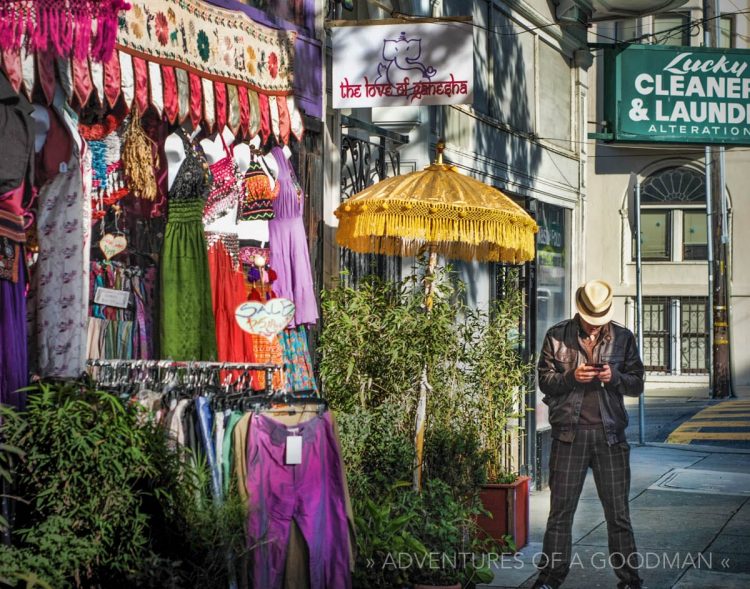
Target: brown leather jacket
x: 561, y: 354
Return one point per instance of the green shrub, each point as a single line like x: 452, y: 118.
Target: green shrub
x: 106, y: 502
x: 376, y: 448
x: 453, y: 455
x: 446, y: 526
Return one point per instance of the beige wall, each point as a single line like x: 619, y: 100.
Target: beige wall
x: 607, y: 234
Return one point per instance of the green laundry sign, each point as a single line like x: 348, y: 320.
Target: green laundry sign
x: 665, y: 94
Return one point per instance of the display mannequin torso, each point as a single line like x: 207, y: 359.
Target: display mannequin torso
x: 214, y: 148
x: 242, y: 157
x: 41, y: 126
x: 217, y: 150
x: 253, y: 230
x: 271, y: 165
x: 174, y: 149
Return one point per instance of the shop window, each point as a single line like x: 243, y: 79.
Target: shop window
x: 675, y: 335
x: 555, y: 91
x: 672, y: 29
x: 627, y: 29
x: 553, y: 267
x: 369, y: 154
x: 655, y: 235
x: 673, y: 216
x: 726, y: 32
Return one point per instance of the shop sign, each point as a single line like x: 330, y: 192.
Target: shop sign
x: 405, y: 64
x: 677, y: 94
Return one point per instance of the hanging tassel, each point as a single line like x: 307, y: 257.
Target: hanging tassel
x: 63, y: 26
x: 39, y: 37
x: 67, y: 30
x: 98, y: 41
x: 54, y: 31
x: 103, y: 44
x: 11, y: 35
x: 137, y: 158
x: 82, y: 36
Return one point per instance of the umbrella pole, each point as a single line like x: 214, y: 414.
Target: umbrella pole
x: 424, y: 385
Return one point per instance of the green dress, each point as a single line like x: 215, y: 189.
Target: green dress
x: 186, y: 327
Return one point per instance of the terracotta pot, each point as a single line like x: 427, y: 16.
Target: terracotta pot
x: 509, y: 506
x: 456, y: 586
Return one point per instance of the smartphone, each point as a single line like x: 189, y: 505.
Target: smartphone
x: 597, y: 366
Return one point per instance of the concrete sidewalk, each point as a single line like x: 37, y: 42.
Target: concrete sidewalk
x: 690, y: 508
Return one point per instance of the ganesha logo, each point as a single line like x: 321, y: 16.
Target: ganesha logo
x: 401, y: 56
x: 398, y: 65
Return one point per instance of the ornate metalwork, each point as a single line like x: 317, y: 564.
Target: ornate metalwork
x: 366, y: 160
x: 674, y: 185
x: 363, y: 163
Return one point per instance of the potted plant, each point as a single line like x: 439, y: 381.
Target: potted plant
x: 373, y: 349
x: 507, y: 507
x: 499, y: 378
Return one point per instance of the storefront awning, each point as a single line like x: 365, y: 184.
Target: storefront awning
x: 188, y: 60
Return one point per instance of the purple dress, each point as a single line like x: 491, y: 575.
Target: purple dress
x: 14, y: 370
x: 291, y: 258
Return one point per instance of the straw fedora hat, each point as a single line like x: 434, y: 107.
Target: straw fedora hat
x: 594, y: 302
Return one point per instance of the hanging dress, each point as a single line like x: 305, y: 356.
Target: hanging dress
x: 228, y: 289
x: 61, y: 277
x: 226, y: 191
x: 257, y: 204
x: 14, y: 365
x: 186, y: 319
x: 288, y: 239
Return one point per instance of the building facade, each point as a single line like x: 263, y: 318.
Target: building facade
x: 674, y: 235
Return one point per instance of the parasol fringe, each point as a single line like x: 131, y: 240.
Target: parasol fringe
x: 464, y: 234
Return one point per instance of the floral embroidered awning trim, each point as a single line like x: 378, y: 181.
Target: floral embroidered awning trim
x: 176, y: 92
x: 223, y: 45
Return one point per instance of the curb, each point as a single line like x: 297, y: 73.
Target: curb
x: 705, y: 449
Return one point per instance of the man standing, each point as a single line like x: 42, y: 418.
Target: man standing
x: 586, y: 366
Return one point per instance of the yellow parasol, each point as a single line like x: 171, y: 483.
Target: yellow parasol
x: 442, y: 211
x: 451, y: 213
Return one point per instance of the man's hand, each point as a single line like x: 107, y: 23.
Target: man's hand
x: 605, y: 374
x: 585, y: 373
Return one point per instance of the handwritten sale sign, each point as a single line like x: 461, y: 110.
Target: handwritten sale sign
x: 267, y: 319
x: 405, y: 64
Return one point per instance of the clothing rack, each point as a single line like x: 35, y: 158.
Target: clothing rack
x: 269, y: 369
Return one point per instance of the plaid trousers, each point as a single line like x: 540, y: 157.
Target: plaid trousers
x: 568, y: 464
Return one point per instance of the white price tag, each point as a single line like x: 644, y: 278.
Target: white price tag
x: 111, y: 297
x: 293, y: 450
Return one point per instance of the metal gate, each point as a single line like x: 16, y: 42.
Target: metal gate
x: 675, y: 335
x: 523, y: 278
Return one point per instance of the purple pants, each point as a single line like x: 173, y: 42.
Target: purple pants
x: 14, y: 364
x: 310, y: 493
